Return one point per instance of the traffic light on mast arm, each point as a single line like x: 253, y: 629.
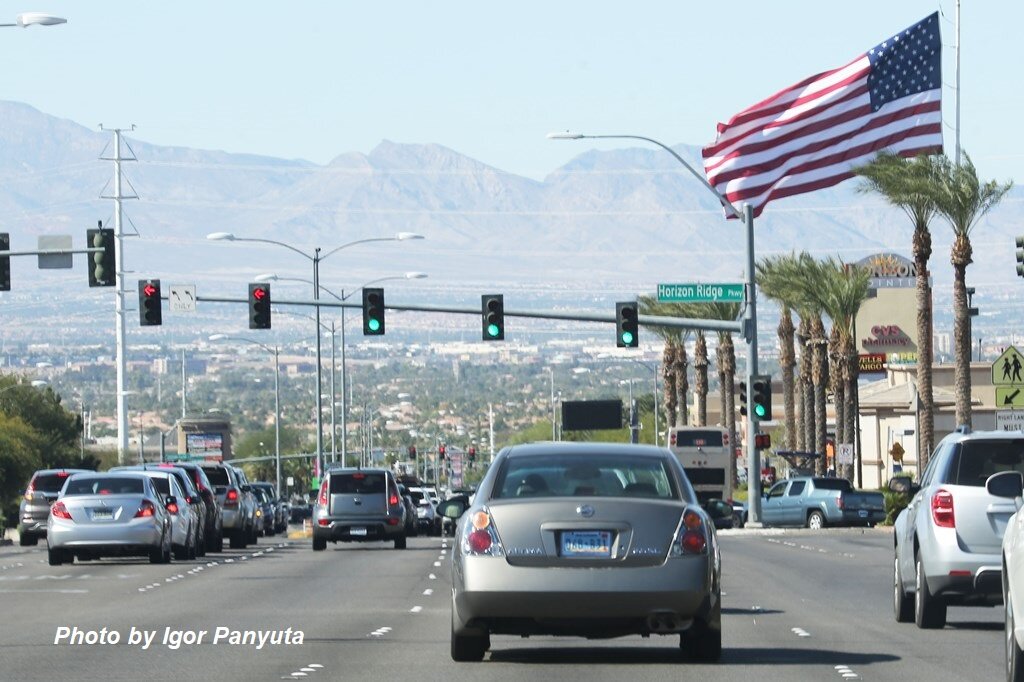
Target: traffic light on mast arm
x: 5, y: 262
x: 102, y: 264
x: 762, y: 398
x: 626, y: 325
x: 1020, y: 257
x: 492, y: 310
x: 373, y: 312
x: 259, y: 306
x: 743, y: 397
x: 150, y: 312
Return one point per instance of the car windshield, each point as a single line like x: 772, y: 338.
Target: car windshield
x: 104, y: 486
x: 979, y: 459
x: 358, y: 483
x: 49, y: 483
x: 590, y: 475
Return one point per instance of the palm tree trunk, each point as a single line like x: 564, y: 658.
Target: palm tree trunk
x: 819, y: 377
x: 700, y: 378
x: 961, y: 257
x: 806, y: 385
x: 728, y: 356
x: 925, y: 393
x: 668, y: 375
x: 682, y: 384
x: 851, y: 376
x: 787, y: 361
x: 835, y: 382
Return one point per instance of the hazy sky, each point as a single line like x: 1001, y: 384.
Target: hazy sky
x: 314, y: 80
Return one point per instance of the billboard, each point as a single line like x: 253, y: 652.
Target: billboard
x: 588, y: 415
x: 205, y: 445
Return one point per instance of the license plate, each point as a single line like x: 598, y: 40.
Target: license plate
x: 863, y: 513
x: 357, y: 531
x: 587, y: 544
x: 102, y: 515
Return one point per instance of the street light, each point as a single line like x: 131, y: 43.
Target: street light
x: 271, y: 277
x: 26, y: 19
x: 277, y: 398
x: 315, y: 258
x: 750, y: 319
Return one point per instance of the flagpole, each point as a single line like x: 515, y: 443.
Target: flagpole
x: 956, y: 156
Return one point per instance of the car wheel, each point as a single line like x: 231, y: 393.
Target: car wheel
x: 468, y: 647
x: 319, y: 544
x: 701, y: 642
x: 237, y: 540
x: 55, y: 556
x: 1014, y: 655
x: 216, y: 543
x: 400, y: 542
x: 28, y: 540
x: 156, y: 555
x: 815, y: 520
x: 180, y: 553
x: 166, y: 558
x: 929, y: 610
x: 903, y: 605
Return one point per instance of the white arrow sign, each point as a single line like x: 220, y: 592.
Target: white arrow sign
x: 182, y: 298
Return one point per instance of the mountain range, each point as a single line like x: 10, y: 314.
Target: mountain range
x: 608, y: 223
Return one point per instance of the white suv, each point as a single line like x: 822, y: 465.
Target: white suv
x: 948, y: 539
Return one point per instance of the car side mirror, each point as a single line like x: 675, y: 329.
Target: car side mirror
x: 1005, y: 484
x: 451, y: 510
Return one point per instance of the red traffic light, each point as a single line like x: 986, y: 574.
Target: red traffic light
x: 762, y: 441
x: 259, y: 293
x: 149, y: 289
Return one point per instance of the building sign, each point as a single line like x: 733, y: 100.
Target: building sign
x: 901, y: 358
x: 885, y: 336
x: 890, y: 271
x: 209, y: 445
x: 872, y: 363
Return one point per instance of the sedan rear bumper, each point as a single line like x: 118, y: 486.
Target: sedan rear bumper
x: 71, y: 535
x: 365, y: 529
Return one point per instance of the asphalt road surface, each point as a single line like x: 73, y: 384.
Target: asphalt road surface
x: 798, y: 605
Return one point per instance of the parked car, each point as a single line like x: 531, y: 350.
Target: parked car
x: 1009, y: 485
x: 187, y: 499
x: 213, y: 529
x: 816, y: 502
x: 358, y: 505
x: 34, y: 510
x: 584, y: 539
x: 427, y: 519
x: 411, y: 527
x: 266, y: 511
x: 948, y: 539
x: 237, y: 507
x: 252, y: 502
x: 109, y: 514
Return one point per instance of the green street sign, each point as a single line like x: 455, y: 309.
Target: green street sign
x: 700, y: 293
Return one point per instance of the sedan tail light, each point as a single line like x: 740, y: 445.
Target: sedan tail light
x: 231, y: 498
x: 60, y: 511
x: 942, y: 509
x: 322, y: 499
x: 146, y: 509
x: 692, y: 537
x: 480, y: 537
x: 173, y: 508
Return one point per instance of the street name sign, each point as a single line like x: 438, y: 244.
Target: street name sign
x: 701, y: 293
x: 1008, y: 369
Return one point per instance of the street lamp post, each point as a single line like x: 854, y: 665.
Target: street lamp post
x: 315, y: 258
x: 277, y: 398
x: 271, y: 277
x: 26, y: 19
x: 750, y: 318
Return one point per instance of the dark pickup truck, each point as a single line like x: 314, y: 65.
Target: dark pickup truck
x: 818, y: 502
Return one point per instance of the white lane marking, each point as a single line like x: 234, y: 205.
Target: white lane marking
x: 800, y: 632
x: 416, y: 609
x: 432, y: 576
x: 443, y: 552
x: 229, y: 561
x: 45, y: 590
x: 437, y: 563
x: 307, y: 669
x: 315, y: 665
x: 427, y: 592
x: 846, y: 672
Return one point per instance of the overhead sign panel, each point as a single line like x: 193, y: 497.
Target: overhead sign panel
x: 701, y: 293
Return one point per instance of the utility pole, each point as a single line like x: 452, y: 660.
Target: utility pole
x: 120, y: 343
x: 184, y: 384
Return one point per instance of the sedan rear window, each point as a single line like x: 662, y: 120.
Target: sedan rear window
x: 357, y: 484
x: 104, y: 486
x: 49, y: 483
x: 592, y: 475
x: 976, y: 460
x: 218, y: 475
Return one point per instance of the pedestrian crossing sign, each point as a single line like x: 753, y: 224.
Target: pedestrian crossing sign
x: 1007, y: 369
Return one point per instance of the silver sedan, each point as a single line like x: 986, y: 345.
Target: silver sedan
x: 586, y: 539
x: 109, y: 514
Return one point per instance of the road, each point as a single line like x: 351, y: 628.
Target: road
x: 798, y: 605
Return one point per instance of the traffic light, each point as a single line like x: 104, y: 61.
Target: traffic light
x: 762, y: 441
x: 259, y: 306
x: 102, y: 266
x: 440, y: 451
x: 762, y: 399
x: 1020, y: 257
x: 492, y: 310
x: 150, y: 312
x: 373, y: 312
x: 412, y: 452
x: 5, y: 262
x: 626, y: 325
x: 743, y: 397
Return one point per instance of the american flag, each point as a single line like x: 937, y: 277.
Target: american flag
x: 811, y: 135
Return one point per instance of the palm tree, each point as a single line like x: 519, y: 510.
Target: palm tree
x: 700, y: 378
x: 963, y: 201
x: 681, y: 384
x: 772, y: 282
x: 673, y: 356
x: 910, y: 186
